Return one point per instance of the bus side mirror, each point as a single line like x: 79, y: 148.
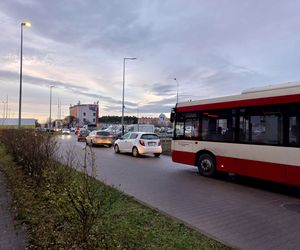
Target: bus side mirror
x: 173, y: 115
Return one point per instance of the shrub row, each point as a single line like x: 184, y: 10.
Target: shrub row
x: 67, y: 209
x: 32, y: 151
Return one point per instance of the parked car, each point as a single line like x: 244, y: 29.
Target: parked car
x: 65, y: 131
x: 139, y: 143
x: 115, y: 130
x: 82, y: 134
x: 100, y: 137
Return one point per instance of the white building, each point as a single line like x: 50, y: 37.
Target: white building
x: 86, y: 114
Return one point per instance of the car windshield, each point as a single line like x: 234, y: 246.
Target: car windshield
x: 103, y: 133
x: 149, y: 137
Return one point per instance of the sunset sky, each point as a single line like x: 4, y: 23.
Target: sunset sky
x: 213, y: 48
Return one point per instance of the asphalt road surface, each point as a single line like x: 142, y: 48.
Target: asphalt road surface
x: 240, y: 212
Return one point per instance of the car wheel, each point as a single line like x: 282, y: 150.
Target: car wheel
x: 116, y: 148
x: 156, y: 154
x: 135, y: 152
x: 206, y: 165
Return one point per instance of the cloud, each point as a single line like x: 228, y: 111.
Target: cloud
x: 214, y: 48
x: 85, y: 91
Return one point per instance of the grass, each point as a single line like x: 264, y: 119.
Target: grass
x: 69, y: 210
x: 166, y: 145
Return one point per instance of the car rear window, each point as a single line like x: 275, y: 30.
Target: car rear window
x: 103, y: 133
x: 149, y: 137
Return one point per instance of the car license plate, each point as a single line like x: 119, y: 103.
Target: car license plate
x: 151, y: 143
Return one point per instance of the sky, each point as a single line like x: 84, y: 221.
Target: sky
x: 213, y: 48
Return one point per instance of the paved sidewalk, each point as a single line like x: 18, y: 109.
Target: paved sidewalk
x: 12, y: 237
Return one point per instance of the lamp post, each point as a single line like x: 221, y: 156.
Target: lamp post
x: 50, y: 123
x: 124, y: 60
x: 26, y: 24
x: 177, y: 88
x: 138, y: 114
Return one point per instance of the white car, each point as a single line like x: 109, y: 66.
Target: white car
x: 139, y: 143
x: 65, y: 131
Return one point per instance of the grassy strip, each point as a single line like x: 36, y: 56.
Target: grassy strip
x: 69, y: 210
x: 166, y: 145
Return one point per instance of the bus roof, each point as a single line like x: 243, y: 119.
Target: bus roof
x: 272, y: 94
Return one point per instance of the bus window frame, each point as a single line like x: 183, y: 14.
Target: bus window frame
x: 286, y: 111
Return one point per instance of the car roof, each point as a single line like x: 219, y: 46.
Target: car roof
x: 143, y: 133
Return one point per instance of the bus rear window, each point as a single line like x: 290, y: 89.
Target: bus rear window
x: 149, y: 137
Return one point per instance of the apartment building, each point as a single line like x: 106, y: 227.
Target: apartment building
x: 86, y: 114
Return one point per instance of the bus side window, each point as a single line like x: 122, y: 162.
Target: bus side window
x: 294, y: 131
x: 179, y: 129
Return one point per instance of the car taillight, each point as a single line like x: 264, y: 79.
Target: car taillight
x: 142, y: 142
x: 159, y: 143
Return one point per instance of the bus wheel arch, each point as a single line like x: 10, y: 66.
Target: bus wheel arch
x: 206, y: 163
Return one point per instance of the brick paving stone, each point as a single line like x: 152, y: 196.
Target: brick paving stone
x: 242, y: 216
x: 12, y: 236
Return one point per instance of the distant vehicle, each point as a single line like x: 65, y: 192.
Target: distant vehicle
x: 255, y: 134
x: 141, y: 128
x: 139, y: 143
x: 82, y: 134
x: 77, y: 130
x: 169, y: 132
x: 65, y: 131
x: 115, y: 130
x: 72, y: 129
x: 100, y: 137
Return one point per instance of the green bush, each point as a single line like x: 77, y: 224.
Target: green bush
x: 32, y: 151
x: 68, y: 209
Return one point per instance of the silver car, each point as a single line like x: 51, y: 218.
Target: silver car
x: 100, y: 137
x: 139, y: 143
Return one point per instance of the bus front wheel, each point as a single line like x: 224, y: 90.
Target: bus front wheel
x: 206, y: 165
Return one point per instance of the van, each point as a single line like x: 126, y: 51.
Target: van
x: 141, y: 128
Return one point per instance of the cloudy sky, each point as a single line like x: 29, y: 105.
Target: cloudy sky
x: 213, y: 48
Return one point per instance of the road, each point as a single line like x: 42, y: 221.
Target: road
x: 244, y: 216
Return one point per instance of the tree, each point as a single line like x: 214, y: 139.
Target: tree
x: 118, y: 119
x: 70, y: 121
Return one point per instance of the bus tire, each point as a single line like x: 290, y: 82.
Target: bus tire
x: 206, y: 165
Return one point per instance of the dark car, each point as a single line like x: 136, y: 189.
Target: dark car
x: 82, y: 134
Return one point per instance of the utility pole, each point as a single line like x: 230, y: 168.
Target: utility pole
x: 6, y: 106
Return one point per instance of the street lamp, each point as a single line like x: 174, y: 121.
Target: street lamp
x: 50, y: 123
x: 26, y: 24
x: 124, y: 60
x: 177, y: 88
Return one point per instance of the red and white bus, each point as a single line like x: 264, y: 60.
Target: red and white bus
x: 256, y: 133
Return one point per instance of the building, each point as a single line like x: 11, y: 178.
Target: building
x: 85, y: 114
x: 14, y: 122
